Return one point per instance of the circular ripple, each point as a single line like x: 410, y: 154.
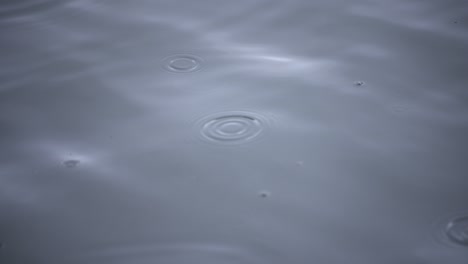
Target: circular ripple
x: 453, y: 231
x: 232, y: 128
x: 182, y: 63
x: 457, y: 230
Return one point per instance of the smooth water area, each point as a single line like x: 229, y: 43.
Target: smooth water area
x: 233, y: 132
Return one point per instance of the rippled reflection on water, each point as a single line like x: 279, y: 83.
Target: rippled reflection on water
x: 233, y: 131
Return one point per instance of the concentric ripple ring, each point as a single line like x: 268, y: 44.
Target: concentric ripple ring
x: 182, y: 63
x: 232, y: 128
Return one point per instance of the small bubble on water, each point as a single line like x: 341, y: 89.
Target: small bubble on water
x: 71, y: 163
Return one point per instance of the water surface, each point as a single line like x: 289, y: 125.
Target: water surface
x: 233, y: 132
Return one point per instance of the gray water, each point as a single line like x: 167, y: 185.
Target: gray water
x: 234, y: 132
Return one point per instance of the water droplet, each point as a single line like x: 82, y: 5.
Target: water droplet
x: 264, y: 194
x: 71, y: 163
x: 457, y: 230
x: 232, y: 128
x: 359, y: 83
x: 182, y: 63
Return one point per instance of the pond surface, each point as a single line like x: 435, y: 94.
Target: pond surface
x: 233, y: 132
